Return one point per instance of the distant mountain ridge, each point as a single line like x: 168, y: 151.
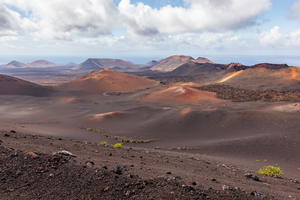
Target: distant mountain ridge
x: 35, y: 64
x: 173, y: 62
x: 99, y: 63
x: 260, y: 76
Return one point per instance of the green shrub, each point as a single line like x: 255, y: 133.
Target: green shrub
x: 103, y: 143
x: 271, y: 171
x: 118, y: 145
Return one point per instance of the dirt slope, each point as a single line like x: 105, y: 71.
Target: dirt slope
x: 14, y: 86
x: 106, y: 173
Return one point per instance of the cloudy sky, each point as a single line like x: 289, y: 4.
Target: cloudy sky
x: 149, y: 28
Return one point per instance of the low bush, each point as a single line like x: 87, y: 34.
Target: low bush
x: 118, y: 145
x: 103, y: 143
x: 271, y: 171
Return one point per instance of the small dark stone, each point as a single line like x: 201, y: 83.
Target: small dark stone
x: 252, y: 176
x: 140, y: 187
x: 6, y: 135
x: 131, y: 176
x: 194, y: 183
x: 169, y: 173
x: 189, y: 188
x: 110, y: 154
x: 214, y: 180
x: 14, y: 155
x: 256, y: 194
x: 89, y: 164
x: 118, y: 170
x: 13, y: 131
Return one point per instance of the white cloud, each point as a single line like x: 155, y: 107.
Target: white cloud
x: 271, y: 37
x: 206, y: 40
x: 277, y: 39
x: 296, y: 9
x: 11, y: 24
x: 66, y: 19
x: 102, y: 25
x: 108, y: 41
x: 197, y: 16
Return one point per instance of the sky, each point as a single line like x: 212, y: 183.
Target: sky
x: 225, y: 30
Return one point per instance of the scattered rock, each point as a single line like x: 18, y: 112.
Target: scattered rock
x: 193, y: 158
x: 106, y: 189
x: 252, y: 176
x: 105, y: 167
x: 68, y: 179
x: 256, y: 194
x: 225, y: 187
x: 118, y: 170
x: 13, y: 131
x: 13, y: 155
x: 89, y: 163
x: 64, y: 153
x: 188, y: 188
x: 228, y: 188
x: 127, y: 193
x: 32, y: 154
x: 18, y: 173
x: 6, y: 135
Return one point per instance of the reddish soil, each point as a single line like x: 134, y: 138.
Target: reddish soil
x: 14, y: 86
x: 182, y: 94
x: 107, y: 80
x: 29, y: 170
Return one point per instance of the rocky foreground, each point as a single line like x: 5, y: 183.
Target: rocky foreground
x: 82, y: 175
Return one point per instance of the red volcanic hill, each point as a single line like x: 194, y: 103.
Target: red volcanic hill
x: 264, y: 76
x: 260, y: 76
x: 14, y: 86
x: 198, y: 72
x: 173, y: 62
x: 99, y: 63
x: 108, y: 80
x: 182, y: 93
